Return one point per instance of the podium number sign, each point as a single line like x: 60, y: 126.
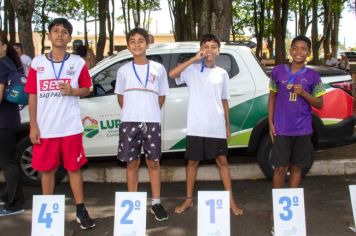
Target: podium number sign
x: 130, y: 214
x: 213, y: 213
x: 48, y: 215
x: 288, y: 212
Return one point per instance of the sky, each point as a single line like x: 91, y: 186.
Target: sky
x: 161, y: 24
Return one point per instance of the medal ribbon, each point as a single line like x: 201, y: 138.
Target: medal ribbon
x: 60, y: 70
x: 203, y: 65
x: 292, y: 77
x: 138, y: 77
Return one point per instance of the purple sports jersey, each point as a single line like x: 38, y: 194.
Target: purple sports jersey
x: 292, y: 113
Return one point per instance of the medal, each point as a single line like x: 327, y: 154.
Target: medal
x: 289, y: 86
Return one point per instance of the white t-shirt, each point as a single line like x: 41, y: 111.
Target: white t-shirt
x: 26, y: 63
x: 57, y: 115
x: 140, y: 102
x: 331, y: 62
x: 207, y: 89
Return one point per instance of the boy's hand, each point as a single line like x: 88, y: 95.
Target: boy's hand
x: 298, y: 89
x: 35, y: 135
x: 272, y: 132
x: 228, y: 132
x: 199, y: 55
x: 66, y: 89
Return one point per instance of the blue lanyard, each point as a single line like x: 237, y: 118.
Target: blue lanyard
x: 203, y: 65
x: 292, y: 77
x: 60, y: 70
x: 138, y: 77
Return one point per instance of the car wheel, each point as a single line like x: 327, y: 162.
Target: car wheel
x: 264, y: 159
x: 29, y: 175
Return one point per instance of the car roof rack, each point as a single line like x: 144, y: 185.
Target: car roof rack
x: 246, y: 43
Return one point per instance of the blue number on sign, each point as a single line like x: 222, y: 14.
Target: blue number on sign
x: 287, y: 213
x: 45, y: 220
x: 124, y: 219
x: 211, y: 203
x: 55, y: 208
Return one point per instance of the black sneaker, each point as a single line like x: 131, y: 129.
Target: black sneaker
x: 4, y: 212
x: 159, y: 212
x: 84, y: 220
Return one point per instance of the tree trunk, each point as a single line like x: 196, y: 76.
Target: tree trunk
x: 335, y: 31
x: 102, y: 8
x: 111, y: 27
x: 221, y: 15
x: 280, y: 26
x: 259, y: 17
x: 10, y: 21
x: 327, y: 24
x: 24, y: 10
x: 43, y: 26
x: 204, y: 22
x: 314, y: 33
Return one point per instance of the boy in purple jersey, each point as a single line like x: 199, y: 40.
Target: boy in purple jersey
x: 293, y: 90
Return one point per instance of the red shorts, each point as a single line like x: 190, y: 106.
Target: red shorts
x: 52, y: 152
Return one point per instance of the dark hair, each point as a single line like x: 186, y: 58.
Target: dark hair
x: 61, y: 21
x: 209, y: 37
x: 10, y: 51
x: 19, y: 45
x: 302, y: 38
x: 140, y: 31
x: 82, y: 51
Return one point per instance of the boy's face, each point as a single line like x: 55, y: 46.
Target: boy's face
x: 137, y: 45
x: 59, y: 36
x: 210, y: 49
x: 299, y: 51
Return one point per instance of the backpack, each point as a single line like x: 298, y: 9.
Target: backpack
x: 14, y: 90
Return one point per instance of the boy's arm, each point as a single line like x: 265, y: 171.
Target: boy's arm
x: 120, y: 100
x: 316, y: 102
x: 161, y: 100
x: 175, y: 72
x: 2, y: 90
x: 271, y: 103
x: 34, y: 130
x: 227, y: 117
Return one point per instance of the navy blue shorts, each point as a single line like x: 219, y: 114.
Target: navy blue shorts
x: 203, y: 148
x: 292, y: 150
x: 135, y: 136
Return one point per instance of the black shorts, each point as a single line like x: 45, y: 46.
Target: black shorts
x: 202, y: 148
x: 295, y: 150
x: 133, y: 136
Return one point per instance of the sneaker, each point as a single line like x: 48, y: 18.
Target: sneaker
x: 84, y: 220
x: 159, y: 212
x: 5, y: 212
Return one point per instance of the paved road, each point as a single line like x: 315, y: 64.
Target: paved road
x: 327, y: 201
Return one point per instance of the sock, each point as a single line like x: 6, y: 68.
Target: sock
x: 80, y: 208
x: 155, y: 201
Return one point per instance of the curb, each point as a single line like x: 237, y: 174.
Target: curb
x: 211, y: 173
x: 117, y: 174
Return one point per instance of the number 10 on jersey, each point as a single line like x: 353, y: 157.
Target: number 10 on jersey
x: 130, y: 213
x: 213, y: 213
x: 288, y: 212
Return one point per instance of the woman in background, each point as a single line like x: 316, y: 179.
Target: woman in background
x: 12, y: 197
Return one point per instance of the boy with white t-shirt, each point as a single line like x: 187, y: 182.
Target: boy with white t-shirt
x: 141, y: 87
x: 208, y: 125
x: 55, y: 82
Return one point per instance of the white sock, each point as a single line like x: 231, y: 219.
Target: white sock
x: 155, y: 201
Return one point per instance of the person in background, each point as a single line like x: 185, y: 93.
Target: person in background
x: 13, y: 197
x: 25, y: 60
x: 331, y: 61
x: 344, y: 63
x: 151, y: 39
x: 83, y: 51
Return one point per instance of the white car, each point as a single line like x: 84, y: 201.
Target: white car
x: 248, y: 107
